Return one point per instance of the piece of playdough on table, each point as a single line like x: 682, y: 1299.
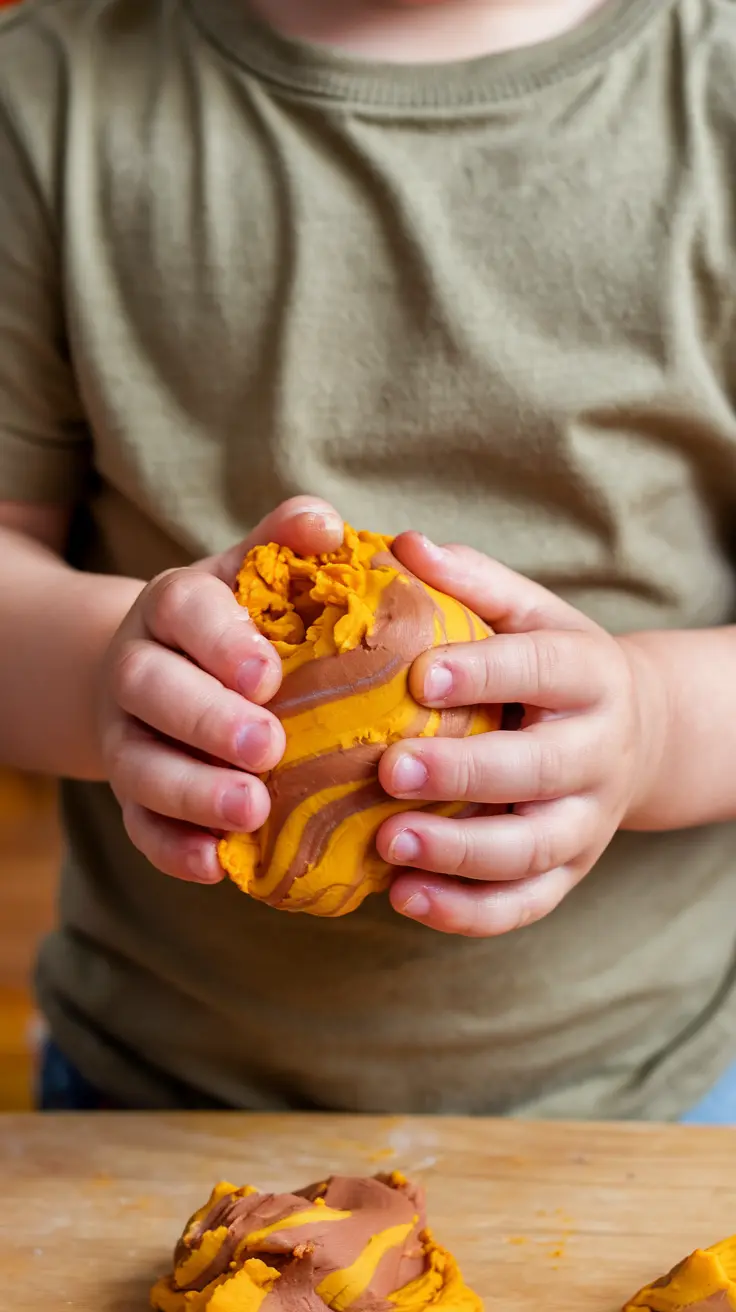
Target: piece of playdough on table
x: 704, y: 1282
x: 351, y: 1244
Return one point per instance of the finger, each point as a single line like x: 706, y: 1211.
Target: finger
x: 173, y: 848
x: 558, y: 670
x: 166, y: 781
x: 164, y: 691
x: 490, y: 848
x: 508, y: 601
x: 308, y: 525
x: 480, y: 910
x: 550, y: 760
x: 192, y: 612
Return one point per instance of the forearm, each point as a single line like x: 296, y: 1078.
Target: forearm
x: 692, y: 682
x: 55, y: 626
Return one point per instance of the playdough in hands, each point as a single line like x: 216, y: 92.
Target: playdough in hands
x: 348, y: 627
x: 350, y: 1244
x: 704, y: 1282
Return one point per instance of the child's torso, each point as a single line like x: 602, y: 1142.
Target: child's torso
x: 495, y: 304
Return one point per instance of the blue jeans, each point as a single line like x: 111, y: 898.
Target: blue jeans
x: 717, y: 1107
x: 61, y: 1088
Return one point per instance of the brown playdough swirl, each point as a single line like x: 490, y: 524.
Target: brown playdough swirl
x: 348, y: 1243
x: 348, y: 628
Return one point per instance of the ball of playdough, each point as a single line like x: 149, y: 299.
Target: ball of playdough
x: 348, y: 1243
x: 704, y: 1282
x: 348, y: 627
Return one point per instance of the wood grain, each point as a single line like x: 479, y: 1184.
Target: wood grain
x: 563, y: 1218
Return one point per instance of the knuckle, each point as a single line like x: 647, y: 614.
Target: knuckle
x: 211, y: 729
x: 130, y: 671
x: 528, y: 913
x: 226, y: 637
x: 544, y: 657
x: 486, y: 657
x: 536, y: 616
x: 170, y: 595
x: 116, y: 746
x: 547, y: 770
x: 466, y: 773
x: 189, y: 800
x: 463, y: 855
x: 542, y: 896
x: 540, y: 851
x: 527, y: 657
x: 203, y: 727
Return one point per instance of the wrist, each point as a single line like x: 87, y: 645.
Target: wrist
x: 104, y: 604
x: 51, y: 673
x: 652, y: 718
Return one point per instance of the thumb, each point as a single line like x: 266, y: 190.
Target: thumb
x: 507, y: 601
x: 308, y: 525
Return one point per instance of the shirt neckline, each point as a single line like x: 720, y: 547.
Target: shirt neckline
x: 319, y: 73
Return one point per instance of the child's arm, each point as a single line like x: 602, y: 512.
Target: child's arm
x: 55, y: 626
x: 145, y: 685
x: 637, y: 732
x: 157, y: 688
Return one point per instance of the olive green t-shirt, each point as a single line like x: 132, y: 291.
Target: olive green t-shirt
x: 494, y: 301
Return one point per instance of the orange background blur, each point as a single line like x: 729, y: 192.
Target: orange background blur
x: 29, y: 857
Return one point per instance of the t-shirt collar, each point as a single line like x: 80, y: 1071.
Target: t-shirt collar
x: 315, y: 72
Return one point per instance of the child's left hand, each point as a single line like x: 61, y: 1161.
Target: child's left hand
x: 592, y: 734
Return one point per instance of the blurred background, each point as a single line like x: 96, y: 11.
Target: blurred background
x: 29, y: 854
x: 29, y: 860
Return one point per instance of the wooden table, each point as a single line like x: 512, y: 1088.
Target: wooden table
x: 542, y: 1218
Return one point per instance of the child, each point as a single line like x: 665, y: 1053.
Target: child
x: 466, y: 268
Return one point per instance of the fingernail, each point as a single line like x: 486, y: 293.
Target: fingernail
x: 409, y: 775
x: 438, y: 683
x: 204, y: 867
x: 252, y: 675
x: 418, y: 906
x: 234, y: 805
x: 324, y: 520
x: 405, y: 848
x: 433, y: 551
x: 254, y: 744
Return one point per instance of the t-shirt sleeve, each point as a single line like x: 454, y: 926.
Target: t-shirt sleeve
x: 44, y: 444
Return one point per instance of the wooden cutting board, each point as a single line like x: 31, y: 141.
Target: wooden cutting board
x: 543, y: 1218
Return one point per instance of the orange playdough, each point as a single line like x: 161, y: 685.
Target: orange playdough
x: 348, y: 627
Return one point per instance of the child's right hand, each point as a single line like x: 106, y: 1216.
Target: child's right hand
x: 182, y: 723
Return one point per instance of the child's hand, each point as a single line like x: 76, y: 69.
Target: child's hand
x: 181, y: 723
x: 593, y: 728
